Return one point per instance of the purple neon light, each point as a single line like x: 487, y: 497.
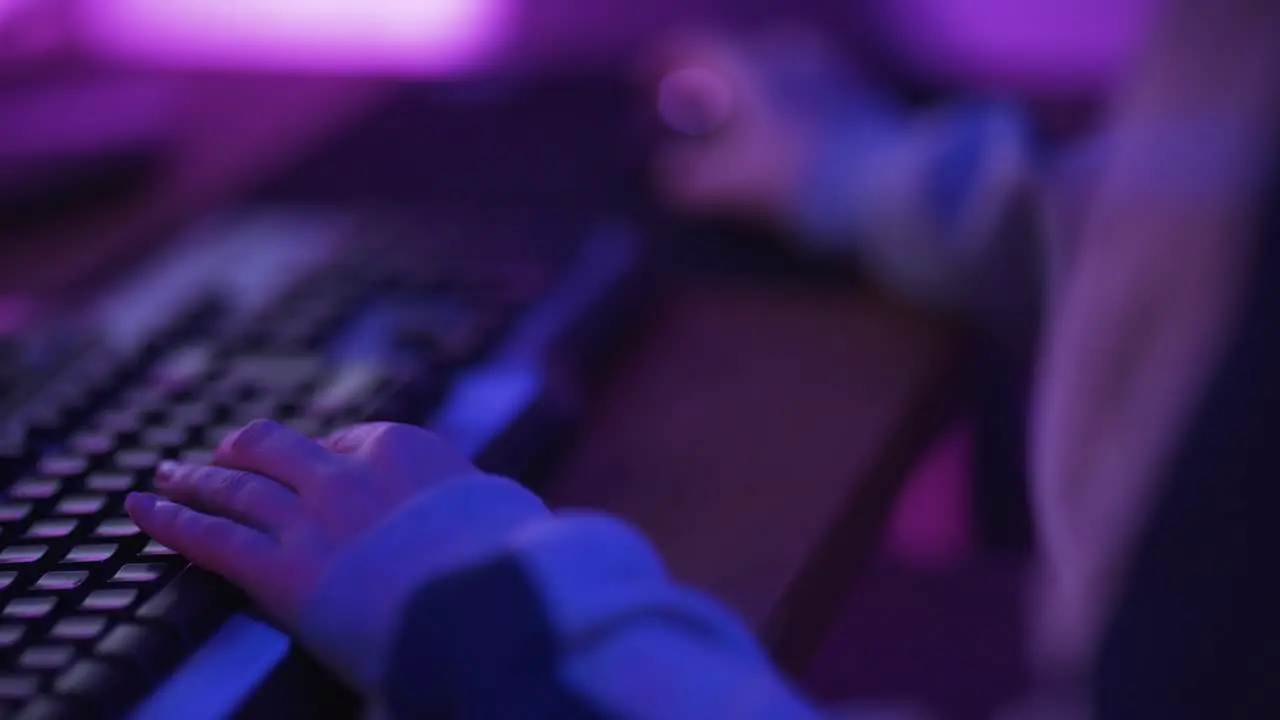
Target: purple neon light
x: 397, y: 37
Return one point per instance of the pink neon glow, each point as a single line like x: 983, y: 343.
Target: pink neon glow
x: 1001, y: 41
x: 398, y: 37
x: 7, y: 8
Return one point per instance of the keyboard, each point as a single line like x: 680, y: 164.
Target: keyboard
x: 317, y: 320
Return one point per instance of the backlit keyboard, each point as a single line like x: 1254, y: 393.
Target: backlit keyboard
x: 336, y: 328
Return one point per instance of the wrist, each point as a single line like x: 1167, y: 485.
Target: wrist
x: 358, y: 607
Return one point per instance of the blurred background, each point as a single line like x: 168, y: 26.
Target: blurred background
x: 805, y: 404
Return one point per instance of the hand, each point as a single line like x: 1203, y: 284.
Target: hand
x: 740, y: 149
x: 277, y: 510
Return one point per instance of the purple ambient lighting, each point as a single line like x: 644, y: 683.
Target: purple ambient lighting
x: 383, y: 37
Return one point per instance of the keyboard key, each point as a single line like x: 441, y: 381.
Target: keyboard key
x: 257, y: 409
x: 13, y: 512
x: 35, y: 488
x: 148, y: 648
x: 62, y: 580
x: 184, y: 367
x: 219, y: 433
x: 63, y: 465
x: 6, y: 578
x: 193, y: 605
x: 196, y: 457
x: 93, y: 443
x: 191, y: 415
x: 164, y: 438
x: 119, y: 422
x: 46, y: 657
x: 109, y: 600
x: 29, y: 608
x: 50, y: 708
x: 139, y: 573
x: 116, y: 528
x: 104, y: 684
x: 148, y: 402
x: 89, y: 553
x: 81, y: 505
x: 10, y: 635
x: 266, y: 372
x: 137, y: 459
x: 349, y: 386
x: 110, y: 482
x: 18, y: 687
x: 20, y: 554
x: 51, y: 528
x: 82, y: 627
x: 155, y: 549
x: 228, y: 391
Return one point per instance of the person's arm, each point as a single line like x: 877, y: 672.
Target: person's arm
x: 781, y: 130
x: 1153, y: 298
x: 574, y: 617
x: 439, y: 591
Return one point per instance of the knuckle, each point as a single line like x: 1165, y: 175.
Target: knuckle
x: 227, y: 489
x: 392, y: 436
x: 343, y: 473
x: 250, y: 437
x: 341, y: 435
x: 349, y: 438
x: 167, y: 515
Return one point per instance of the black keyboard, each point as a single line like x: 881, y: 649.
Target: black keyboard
x: 95, y: 617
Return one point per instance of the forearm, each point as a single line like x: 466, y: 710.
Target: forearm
x: 578, y: 619
x: 510, y: 610
x: 1142, y: 321
x: 933, y: 206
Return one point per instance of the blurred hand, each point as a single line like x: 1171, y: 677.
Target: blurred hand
x: 333, y: 537
x: 744, y: 134
x: 278, y: 510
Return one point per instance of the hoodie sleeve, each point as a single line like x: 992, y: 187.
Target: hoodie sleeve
x: 576, y: 618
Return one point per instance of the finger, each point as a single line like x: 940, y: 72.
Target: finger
x: 249, y: 499
x: 349, y: 439
x: 238, y: 553
x: 381, y: 436
x: 271, y: 449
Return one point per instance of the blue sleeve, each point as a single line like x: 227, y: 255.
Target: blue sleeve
x: 929, y: 205
x: 576, y: 619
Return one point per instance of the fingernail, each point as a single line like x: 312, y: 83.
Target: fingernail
x: 166, y: 471
x: 140, y: 503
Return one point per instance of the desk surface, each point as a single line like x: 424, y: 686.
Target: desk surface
x: 756, y: 436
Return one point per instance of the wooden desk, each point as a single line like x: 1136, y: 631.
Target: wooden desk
x: 757, y: 436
